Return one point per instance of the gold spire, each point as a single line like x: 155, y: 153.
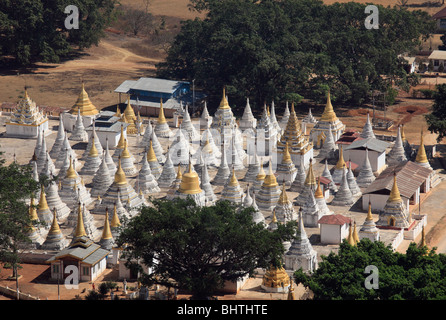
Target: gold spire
x: 233, y: 182
x: 54, y: 226
x: 125, y: 153
x: 274, y: 219
x: 286, y: 154
x: 350, y: 239
x: 341, y: 163
x: 84, y: 104
x: 261, y: 175
x: 395, y: 192
x: 224, y: 103
x: 32, y: 210
x: 80, y: 229
x: 179, y: 174
x: 283, y: 199
x: 421, y: 153
x: 270, y: 178
x: 93, y: 150
x: 403, y: 136
x: 43, y: 204
x: 318, y: 194
x: 151, y: 156
x: 115, y: 218
x: 355, y: 233
x: 118, y: 111
x: 120, y: 175
x: 71, y: 173
x: 190, y: 183
x: 329, y: 114
x: 369, y: 213
x: 106, y: 232
x: 121, y: 142
x: 129, y: 113
x: 161, y: 117
x: 310, y: 179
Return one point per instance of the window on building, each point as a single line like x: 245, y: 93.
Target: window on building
x: 85, y: 271
x: 436, y: 63
x: 56, y: 268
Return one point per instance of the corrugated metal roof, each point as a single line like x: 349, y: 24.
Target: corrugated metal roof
x: 157, y: 85
x: 409, y: 177
x: 369, y: 143
x: 84, y: 250
x: 125, y: 86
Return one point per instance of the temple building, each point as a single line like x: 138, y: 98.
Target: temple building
x: 284, y: 209
x: 190, y: 187
x: 328, y: 121
x: 412, y: 179
x: 88, y: 257
x: 58, y: 143
x: 395, y: 213
x: 299, y: 146
x: 286, y: 170
x: 376, y: 152
x: 162, y: 127
x: 78, y: 133
x: 265, y: 135
x: 269, y: 193
x: 55, y: 240
x: 206, y: 118
x: 27, y: 120
x: 248, y: 121
x: 120, y: 188
x: 275, y: 279
x: 301, y: 253
x: 232, y: 191
x: 397, y: 154
x: 84, y: 107
x: 369, y: 229
x: 333, y: 228
x: 223, y: 121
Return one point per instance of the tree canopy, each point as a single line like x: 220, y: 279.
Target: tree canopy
x: 16, y: 185
x: 418, y: 274
x: 269, y: 49
x: 197, y: 248
x: 34, y: 30
x: 436, y: 120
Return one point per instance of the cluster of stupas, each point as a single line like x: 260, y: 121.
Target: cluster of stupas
x: 276, y: 167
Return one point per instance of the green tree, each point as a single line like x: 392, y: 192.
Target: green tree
x: 34, y: 30
x: 199, y: 248
x: 436, y: 120
x: 16, y: 185
x: 417, y: 274
x: 266, y: 49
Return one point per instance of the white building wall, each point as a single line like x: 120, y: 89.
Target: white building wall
x: 378, y: 201
x: 330, y: 234
x: 377, y: 159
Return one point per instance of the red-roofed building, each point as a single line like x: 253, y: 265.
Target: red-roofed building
x: 333, y: 228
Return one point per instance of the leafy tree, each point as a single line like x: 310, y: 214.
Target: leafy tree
x: 436, y: 120
x: 418, y: 274
x: 34, y: 30
x: 199, y: 248
x: 267, y: 49
x: 16, y: 185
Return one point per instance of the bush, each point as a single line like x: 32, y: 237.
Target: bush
x: 427, y: 93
